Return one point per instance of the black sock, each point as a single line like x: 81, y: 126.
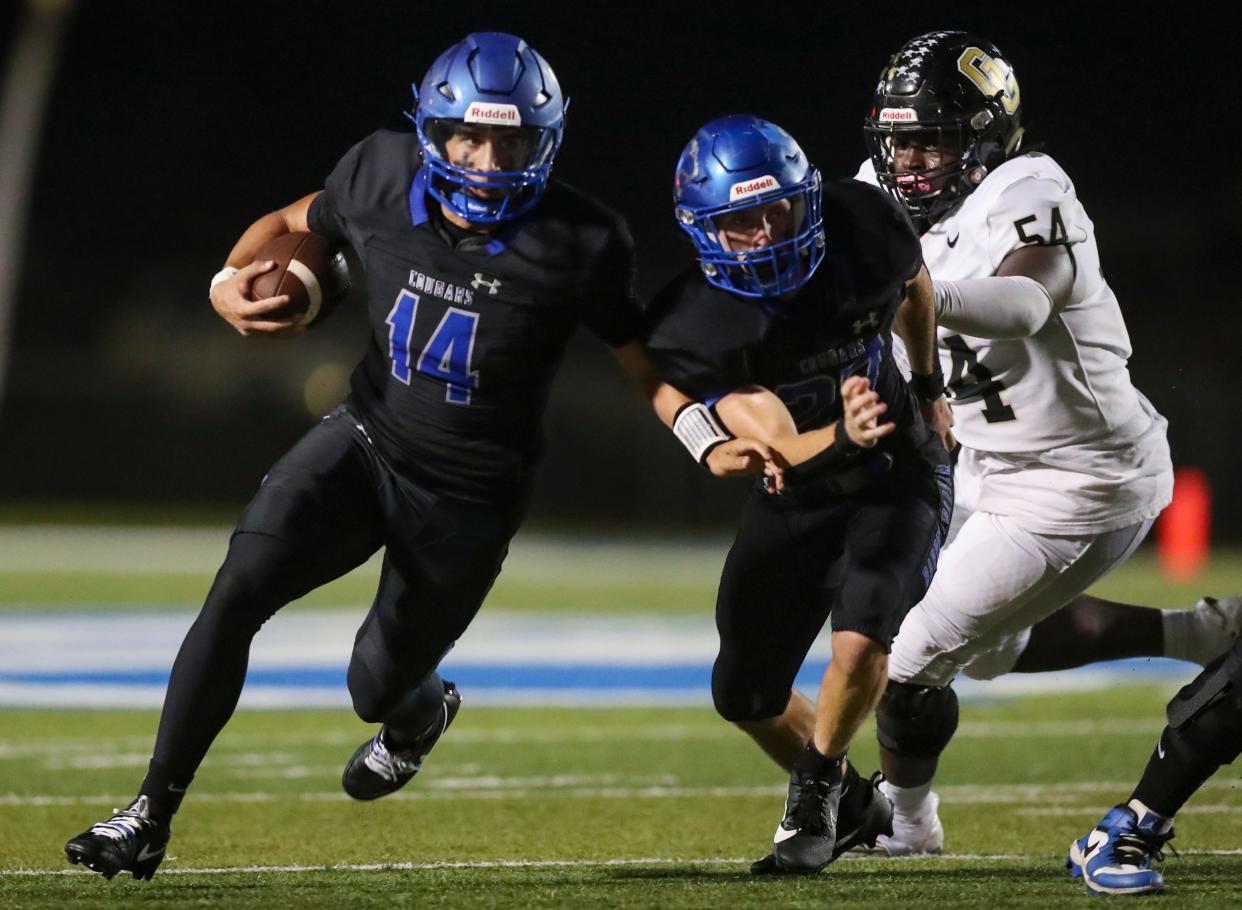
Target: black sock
x: 1170, y: 780
x: 812, y: 762
x: 853, y: 790
x: 164, y: 789
x: 419, y: 711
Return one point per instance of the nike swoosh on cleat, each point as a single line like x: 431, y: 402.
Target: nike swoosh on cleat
x: 1095, y: 840
x: 1160, y: 750
x: 147, y: 853
x: 952, y: 243
x: 783, y: 834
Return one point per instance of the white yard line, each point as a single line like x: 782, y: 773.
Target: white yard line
x: 17, y: 749
x: 575, y: 863
x: 93, y: 745
x: 491, y: 787
x: 1211, y: 809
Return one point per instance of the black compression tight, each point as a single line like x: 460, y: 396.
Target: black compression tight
x: 260, y: 575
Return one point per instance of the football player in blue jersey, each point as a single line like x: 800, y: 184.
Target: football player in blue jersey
x: 798, y: 287
x: 479, y: 267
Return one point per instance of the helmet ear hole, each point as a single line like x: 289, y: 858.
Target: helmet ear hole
x: 982, y: 120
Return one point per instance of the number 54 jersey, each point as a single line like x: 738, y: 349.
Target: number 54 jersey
x: 1052, y: 423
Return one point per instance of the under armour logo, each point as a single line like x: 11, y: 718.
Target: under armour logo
x: 492, y: 284
x: 869, y: 322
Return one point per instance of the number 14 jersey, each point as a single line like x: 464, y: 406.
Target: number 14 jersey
x: 467, y: 333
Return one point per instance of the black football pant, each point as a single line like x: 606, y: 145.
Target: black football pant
x: 866, y: 559
x: 324, y: 509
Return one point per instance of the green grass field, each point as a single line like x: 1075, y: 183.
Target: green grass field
x: 137, y: 567
x: 574, y: 808
x: 590, y: 807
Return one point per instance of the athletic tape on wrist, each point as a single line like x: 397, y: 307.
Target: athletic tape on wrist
x: 698, y: 430
x: 223, y: 275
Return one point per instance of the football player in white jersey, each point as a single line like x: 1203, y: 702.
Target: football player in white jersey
x: 1063, y: 464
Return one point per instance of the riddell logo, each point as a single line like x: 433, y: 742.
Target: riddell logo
x: 898, y: 115
x: 753, y: 187
x: 487, y: 112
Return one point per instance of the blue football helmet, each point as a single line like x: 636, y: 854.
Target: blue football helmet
x: 740, y: 163
x: 490, y: 79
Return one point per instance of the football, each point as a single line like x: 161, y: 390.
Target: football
x: 306, y: 270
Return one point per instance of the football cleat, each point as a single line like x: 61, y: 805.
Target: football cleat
x: 132, y: 840
x: 376, y: 770
x: 865, y: 814
x: 1217, y: 622
x: 915, y: 835
x: 1115, y: 856
x: 805, y: 839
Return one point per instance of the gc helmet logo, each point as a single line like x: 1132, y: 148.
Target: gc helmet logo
x: 748, y: 188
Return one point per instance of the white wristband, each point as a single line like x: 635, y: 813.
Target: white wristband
x: 223, y: 275
x: 698, y: 430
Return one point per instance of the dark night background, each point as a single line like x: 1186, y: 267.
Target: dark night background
x: 172, y: 126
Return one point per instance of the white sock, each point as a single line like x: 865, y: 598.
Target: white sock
x: 1141, y: 811
x: 907, y: 801
x: 1178, y: 627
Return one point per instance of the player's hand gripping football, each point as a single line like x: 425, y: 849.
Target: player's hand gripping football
x: 862, y: 412
x: 743, y: 456
x: 232, y: 300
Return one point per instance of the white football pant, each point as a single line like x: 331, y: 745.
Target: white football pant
x: 994, y: 581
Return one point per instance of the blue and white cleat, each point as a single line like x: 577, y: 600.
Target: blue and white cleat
x: 1115, y: 856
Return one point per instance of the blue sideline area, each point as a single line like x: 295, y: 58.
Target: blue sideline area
x: 51, y: 658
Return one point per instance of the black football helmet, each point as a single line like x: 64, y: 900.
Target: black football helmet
x: 952, y: 91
